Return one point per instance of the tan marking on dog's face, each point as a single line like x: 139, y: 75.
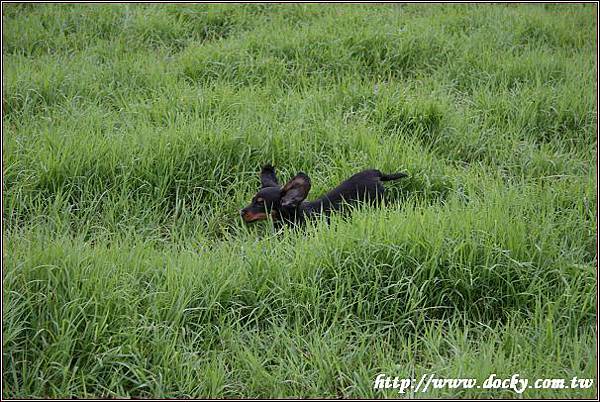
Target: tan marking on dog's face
x: 253, y: 217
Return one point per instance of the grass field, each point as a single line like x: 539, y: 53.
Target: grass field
x: 133, y: 135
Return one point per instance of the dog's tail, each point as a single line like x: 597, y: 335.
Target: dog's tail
x: 393, y: 176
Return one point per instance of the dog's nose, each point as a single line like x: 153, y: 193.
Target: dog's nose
x: 242, y: 212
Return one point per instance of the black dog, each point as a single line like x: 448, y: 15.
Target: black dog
x: 286, y: 204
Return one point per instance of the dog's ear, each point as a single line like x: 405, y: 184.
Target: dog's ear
x: 267, y: 177
x: 295, y: 190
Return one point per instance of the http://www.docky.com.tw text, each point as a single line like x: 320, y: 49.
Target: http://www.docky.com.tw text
x: 516, y: 383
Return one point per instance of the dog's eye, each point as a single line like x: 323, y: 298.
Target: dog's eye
x: 259, y: 199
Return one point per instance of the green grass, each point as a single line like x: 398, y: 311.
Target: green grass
x: 133, y: 134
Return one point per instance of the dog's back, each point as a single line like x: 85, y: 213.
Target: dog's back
x: 363, y: 186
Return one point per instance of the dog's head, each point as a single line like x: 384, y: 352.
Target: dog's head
x: 274, y: 200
